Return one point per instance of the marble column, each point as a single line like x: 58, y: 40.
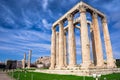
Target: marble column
x: 65, y: 49
x: 85, y: 44
x: 93, y: 45
x: 29, y: 58
x: 97, y: 39
x: 57, y: 49
x: 61, y: 45
x: 24, y: 60
x: 23, y: 63
x: 71, y: 40
x: 53, y: 48
x: 110, y: 60
x: 25, y: 57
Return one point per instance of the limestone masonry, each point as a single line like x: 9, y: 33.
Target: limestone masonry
x: 59, y: 49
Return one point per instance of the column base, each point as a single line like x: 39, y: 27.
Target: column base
x: 111, y: 66
x: 86, y: 65
x: 60, y: 68
x: 101, y: 66
x: 51, y: 68
x: 73, y: 67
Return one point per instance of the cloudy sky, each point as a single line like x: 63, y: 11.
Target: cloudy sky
x: 26, y: 24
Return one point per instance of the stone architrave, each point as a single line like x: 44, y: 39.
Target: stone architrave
x: 85, y: 44
x: 110, y: 60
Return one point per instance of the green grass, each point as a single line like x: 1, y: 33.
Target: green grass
x: 44, y: 76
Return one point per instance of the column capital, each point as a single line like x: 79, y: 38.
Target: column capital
x: 82, y: 9
x: 65, y: 33
x: 53, y: 29
x: 60, y: 23
x: 104, y: 20
x: 69, y: 17
x: 57, y: 32
x: 94, y: 14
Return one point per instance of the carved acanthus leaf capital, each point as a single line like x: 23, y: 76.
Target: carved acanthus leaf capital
x: 70, y: 17
x: 57, y: 33
x: 53, y: 30
x: 60, y: 23
x: 104, y: 20
x: 82, y: 9
x: 94, y: 14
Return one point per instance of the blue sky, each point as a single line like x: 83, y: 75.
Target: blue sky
x: 26, y: 24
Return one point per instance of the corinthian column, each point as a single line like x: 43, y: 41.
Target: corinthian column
x: 61, y: 45
x: 93, y: 45
x: 57, y: 49
x: 53, y: 48
x: 24, y: 60
x: 71, y: 40
x: 110, y: 60
x: 85, y: 44
x: 65, y: 50
x: 29, y: 58
x: 97, y: 39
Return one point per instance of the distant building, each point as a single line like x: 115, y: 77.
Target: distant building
x: 43, y: 62
x: 11, y: 64
x: 118, y: 62
x: 19, y: 64
x: 2, y: 65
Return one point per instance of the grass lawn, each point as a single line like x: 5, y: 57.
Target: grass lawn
x: 43, y: 76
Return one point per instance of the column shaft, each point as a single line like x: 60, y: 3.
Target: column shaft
x: 24, y: 60
x: 29, y: 58
x: 85, y: 44
x: 97, y: 39
x: 110, y: 60
x: 61, y: 45
x: 65, y: 50
x: 71, y: 39
x: 93, y: 45
x: 53, y: 49
x: 23, y: 63
x: 57, y: 49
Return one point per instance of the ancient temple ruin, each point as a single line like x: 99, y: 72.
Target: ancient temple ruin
x: 58, y: 40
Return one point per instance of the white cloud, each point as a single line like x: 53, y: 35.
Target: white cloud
x: 45, y: 4
x: 23, y: 40
x: 46, y: 24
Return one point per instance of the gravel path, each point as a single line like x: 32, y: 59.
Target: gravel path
x: 4, y: 76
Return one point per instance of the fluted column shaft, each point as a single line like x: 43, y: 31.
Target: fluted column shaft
x: 110, y: 60
x: 29, y: 58
x: 61, y: 44
x: 24, y: 60
x: 57, y: 49
x: 65, y: 50
x: 85, y: 44
x: 23, y: 63
x: 53, y: 49
x: 97, y: 39
x: 93, y: 45
x: 71, y: 40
